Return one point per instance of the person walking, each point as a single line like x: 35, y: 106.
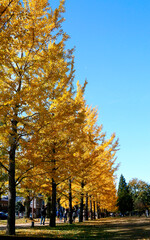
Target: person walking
x: 74, y: 216
x: 43, y: 214
x: 65, y: 215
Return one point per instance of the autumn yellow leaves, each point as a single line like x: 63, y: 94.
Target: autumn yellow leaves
x: 48, y: 134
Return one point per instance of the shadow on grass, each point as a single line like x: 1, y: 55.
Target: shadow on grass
x: 109, y: 229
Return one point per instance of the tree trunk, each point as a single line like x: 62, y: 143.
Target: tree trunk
x: 53, y: 210
x: 91, y: 208
x: 70, y: 202
x: 12, y: 185
x: 102, y: 212
x: 58, y: 204
x: 94, y: 209
x: 49, y: 206
x: 81, y: 203
x: 0, y: 202
x: 27, y: 207
x: 97, y: 208
x: 86, y: 207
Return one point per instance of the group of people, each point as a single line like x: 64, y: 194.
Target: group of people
x: 62, y: 213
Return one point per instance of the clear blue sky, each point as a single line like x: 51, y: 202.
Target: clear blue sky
x: 112, y: 40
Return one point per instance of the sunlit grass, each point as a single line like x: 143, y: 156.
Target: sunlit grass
x: 47, y: 232
x: 19, y: 221
x: 3, y: 222
x: 108, y: 228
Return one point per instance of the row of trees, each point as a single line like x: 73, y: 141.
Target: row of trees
x: 134, y: 196
x: 50, y: 142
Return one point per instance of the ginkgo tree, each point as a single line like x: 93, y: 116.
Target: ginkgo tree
x: 46, y: 130
x: 102, y: 182
x: 79, y: 148
x: 93, y: 157
x: 60, y: 145
x: 60, y: 137
x: 53, y: 153
x: 33, y: 60
x: 57, y: 140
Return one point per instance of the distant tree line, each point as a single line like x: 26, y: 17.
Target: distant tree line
x: 134, y: 197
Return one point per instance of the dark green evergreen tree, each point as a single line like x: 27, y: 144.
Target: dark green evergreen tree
x: 124, y: 201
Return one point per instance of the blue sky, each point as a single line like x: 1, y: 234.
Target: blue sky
x: 112, y: 40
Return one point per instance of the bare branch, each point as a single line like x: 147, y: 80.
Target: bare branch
x: 17, y: 180
x: 6, y: 8
x: 1, y: 164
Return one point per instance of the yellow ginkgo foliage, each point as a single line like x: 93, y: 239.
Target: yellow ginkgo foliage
x: 33, y: 63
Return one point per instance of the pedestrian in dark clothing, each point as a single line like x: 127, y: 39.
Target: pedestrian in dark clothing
x: 43, y: 214
x: 65, y: 216
x: 74, y: 216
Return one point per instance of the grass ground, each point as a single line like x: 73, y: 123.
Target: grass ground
x: 109, y: 228
x: 18, y: 221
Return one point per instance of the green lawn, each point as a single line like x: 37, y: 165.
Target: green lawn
x: 109, y: 228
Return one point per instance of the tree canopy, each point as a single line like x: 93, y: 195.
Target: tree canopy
x: 46, y: 127
x: 140, y: 192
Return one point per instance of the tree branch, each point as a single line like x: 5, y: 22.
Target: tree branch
x: 1, y: 164
x: 18, y: 181
x: 6, y: 8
